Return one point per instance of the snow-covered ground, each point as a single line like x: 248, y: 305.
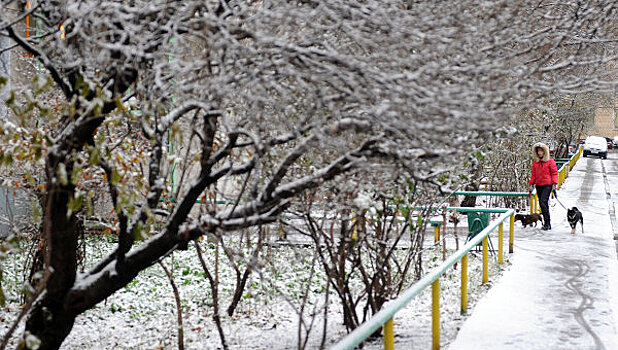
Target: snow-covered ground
x: 580, y: 270
x: 143, y: 314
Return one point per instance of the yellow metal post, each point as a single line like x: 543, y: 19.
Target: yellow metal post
x: 464, y: 284
x: 436, y: 233
x: 354, y: 223
x: 389, y: 336
x: 500, y: 243
x: 533, y: 203
x: 536, y: 204
x: 485, y: 268
x: 435, y: 312
x: 511, y: 233
x: 281, y: 232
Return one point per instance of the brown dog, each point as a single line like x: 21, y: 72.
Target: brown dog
x: 529, y: 219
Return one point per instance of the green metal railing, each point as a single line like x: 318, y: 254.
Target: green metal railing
x: 488, y: 193
x: 533, y: 199
x: 385, y: 316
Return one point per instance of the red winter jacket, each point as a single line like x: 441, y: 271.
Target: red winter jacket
x: 544, y: 173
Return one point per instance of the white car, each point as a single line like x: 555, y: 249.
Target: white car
x: 595, y: 145
x: 615, y: 141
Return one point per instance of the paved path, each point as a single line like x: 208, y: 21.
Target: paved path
x: 561, y: 290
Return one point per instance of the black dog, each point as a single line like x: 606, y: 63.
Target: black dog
x: 573, y: 216
x: 528, y: 219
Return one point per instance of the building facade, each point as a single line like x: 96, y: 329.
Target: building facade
x: 605, y: 121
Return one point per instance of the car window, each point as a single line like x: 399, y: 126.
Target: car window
x: 596, y: 142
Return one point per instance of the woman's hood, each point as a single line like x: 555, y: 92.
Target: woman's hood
x: 544, y: 147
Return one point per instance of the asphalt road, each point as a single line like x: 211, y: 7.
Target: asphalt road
x: 610, y: 178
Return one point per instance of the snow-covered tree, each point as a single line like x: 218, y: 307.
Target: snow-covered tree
x: 245, y: 105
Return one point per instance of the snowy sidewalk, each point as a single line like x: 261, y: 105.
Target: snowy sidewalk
x: 561, y: 290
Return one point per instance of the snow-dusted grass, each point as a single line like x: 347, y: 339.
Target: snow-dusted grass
x: 142, y: 315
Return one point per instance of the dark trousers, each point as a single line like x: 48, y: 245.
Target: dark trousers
x: 544, y: 192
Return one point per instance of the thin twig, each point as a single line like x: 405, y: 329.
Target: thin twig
x: 181, y: 344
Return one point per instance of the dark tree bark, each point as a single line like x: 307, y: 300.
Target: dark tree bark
x: 50, y: 319
x: 470, y: 201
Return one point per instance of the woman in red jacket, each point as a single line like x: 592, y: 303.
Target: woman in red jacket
x: 545, y: 177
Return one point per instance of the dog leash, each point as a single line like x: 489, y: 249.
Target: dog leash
x: 559, y: 202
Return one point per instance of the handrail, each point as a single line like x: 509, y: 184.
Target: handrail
x: 467, y: 209
x: 490, y: 193
x: 533, y: 199
x: 478, y: 210
x: 383, y: 316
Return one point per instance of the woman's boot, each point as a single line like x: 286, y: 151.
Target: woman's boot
x: 546, y: 221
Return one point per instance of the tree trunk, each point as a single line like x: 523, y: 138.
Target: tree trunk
x: 50, y: 322
x: 51, y: 319
x: 470, y: 201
